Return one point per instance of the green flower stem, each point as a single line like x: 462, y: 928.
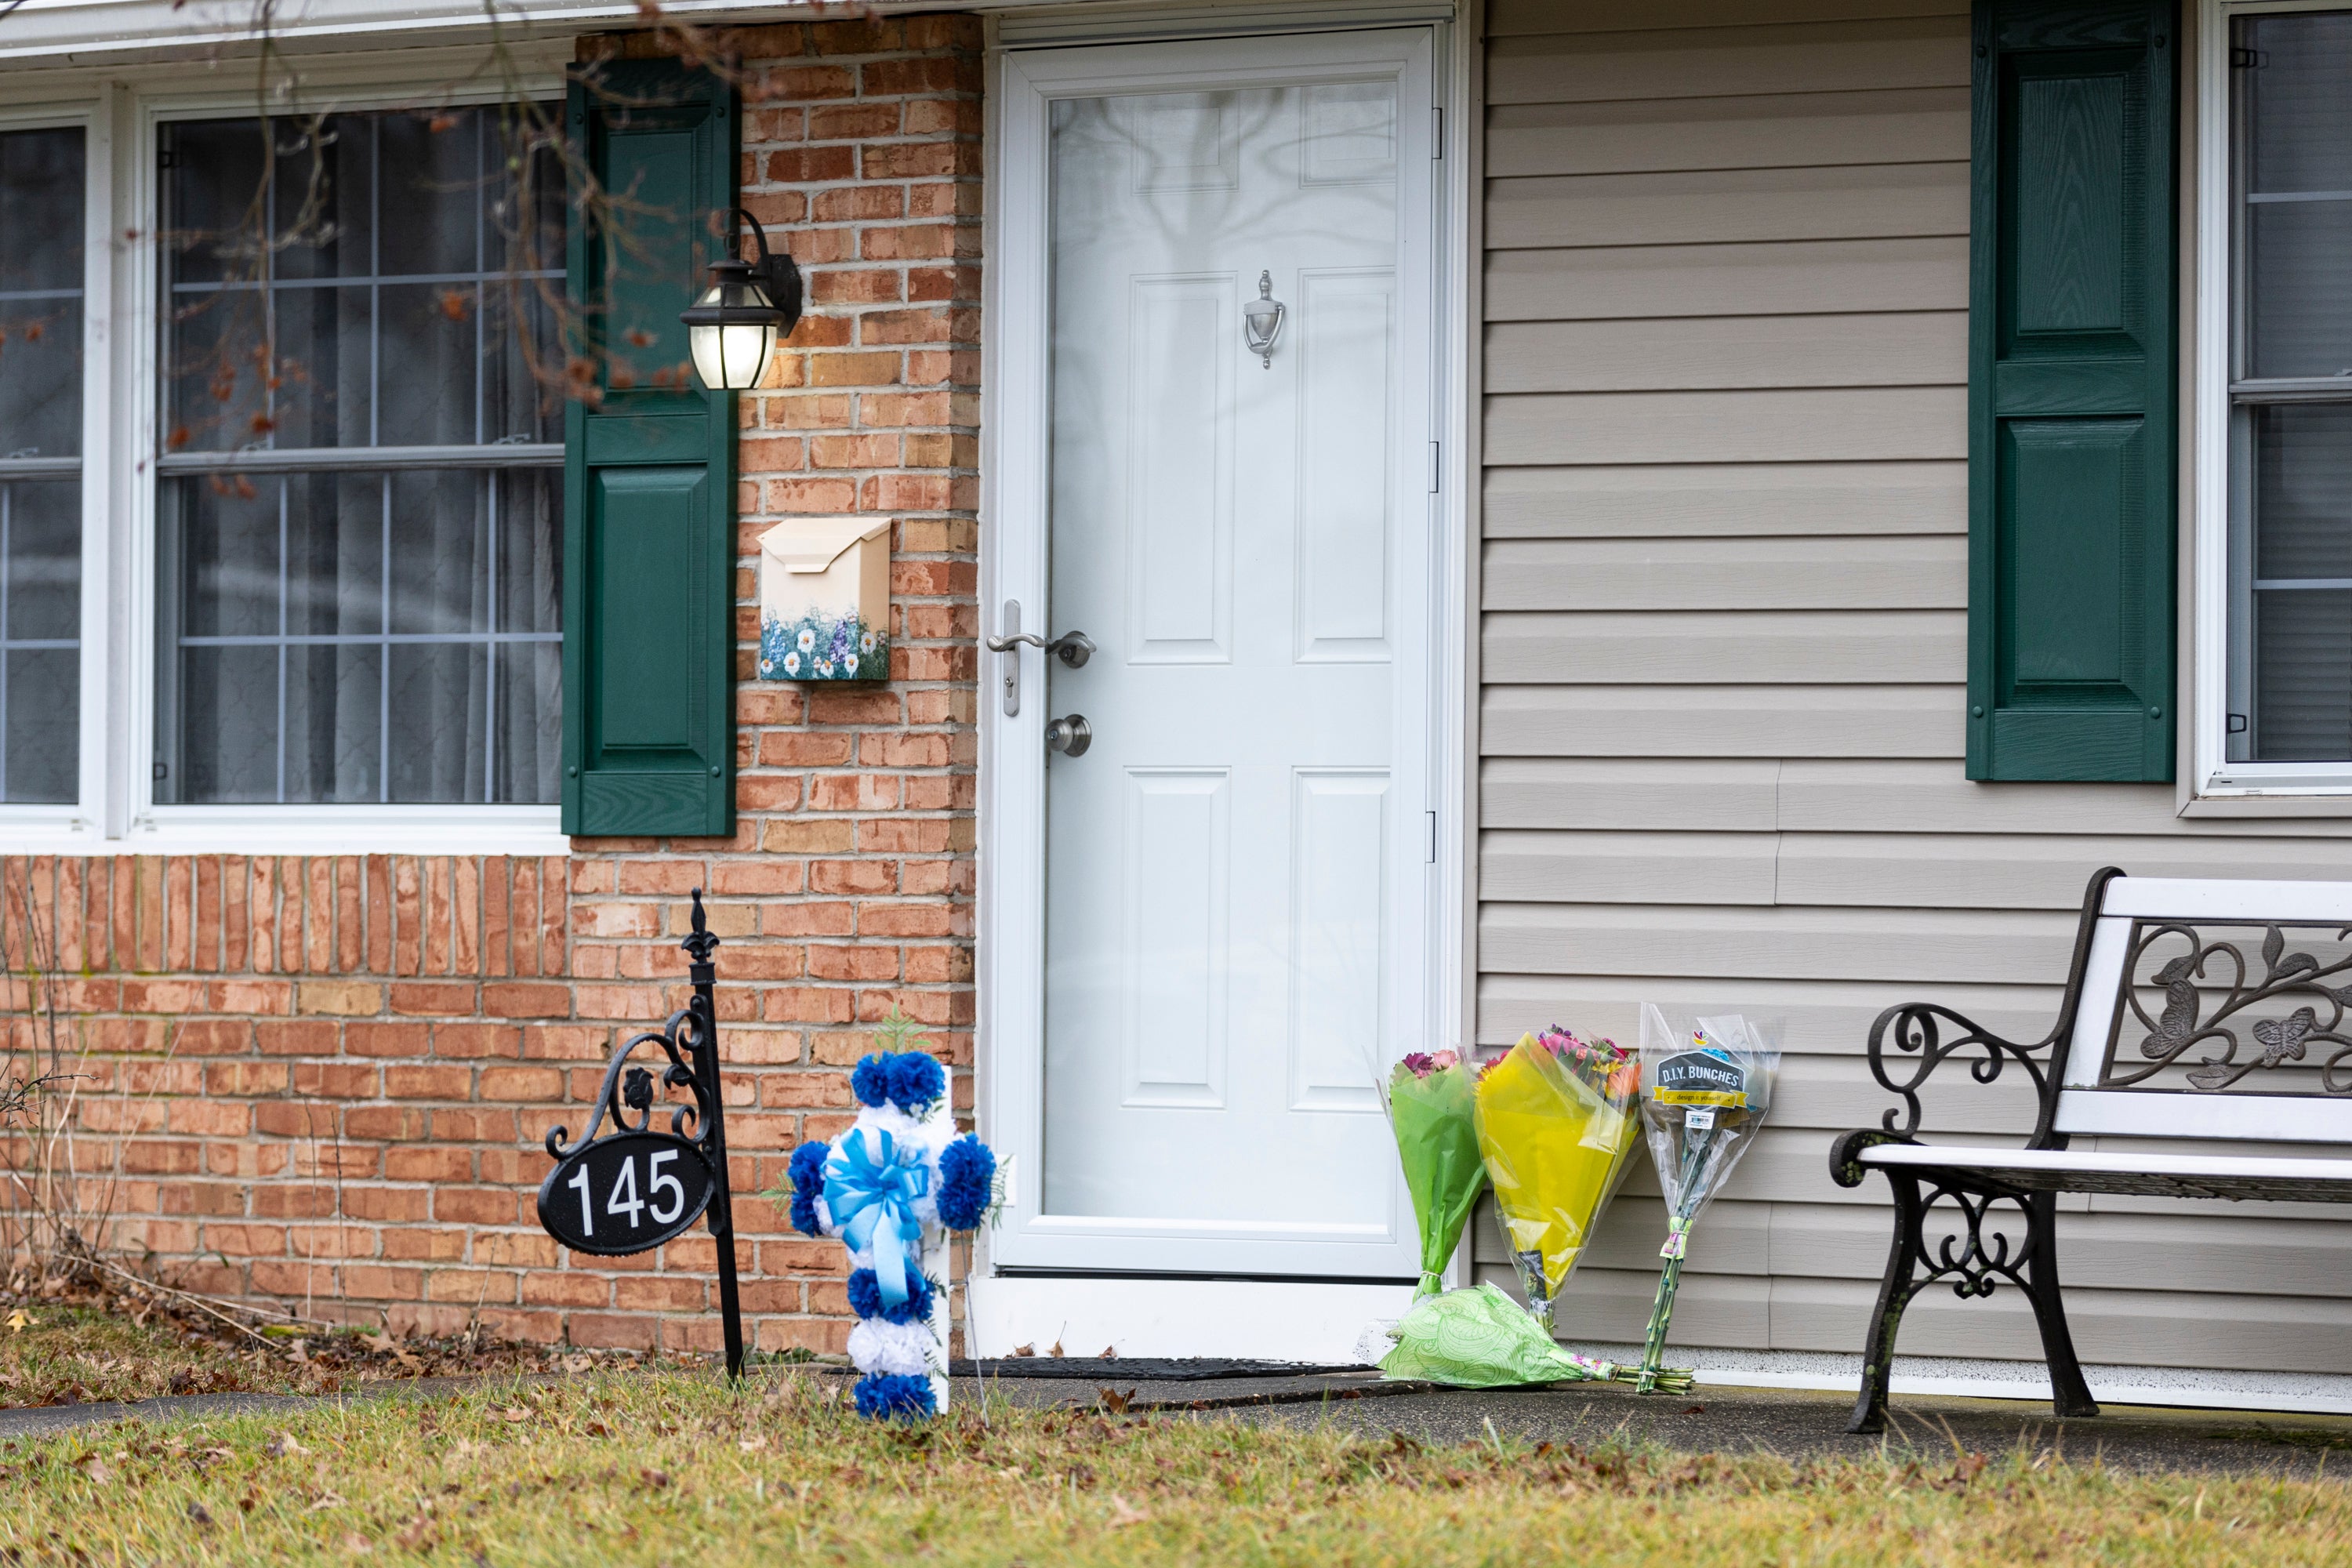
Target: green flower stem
x: 1692, y: 1191
x: 1654, y: 1345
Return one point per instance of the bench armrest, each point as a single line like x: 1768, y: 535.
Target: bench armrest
x: 1845, y: 1153
x: 1928, y: 1034
x: 1923, y: 1035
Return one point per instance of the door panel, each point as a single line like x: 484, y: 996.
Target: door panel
x: 1346, y: 328
x: 1178, y: 830
x: 1230, y: 914
x: 1180, y: 499
x: 1338, y: 896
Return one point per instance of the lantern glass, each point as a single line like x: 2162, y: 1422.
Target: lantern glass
x: 730, y: 355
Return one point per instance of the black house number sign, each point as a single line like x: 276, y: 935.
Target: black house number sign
x: 626, y: 1192
x: 640, y: 1185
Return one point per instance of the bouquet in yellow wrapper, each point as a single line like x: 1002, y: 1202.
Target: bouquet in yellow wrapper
x: 1557, y: 1130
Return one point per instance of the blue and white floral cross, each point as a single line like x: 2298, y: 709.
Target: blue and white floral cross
x: 889, y: 1187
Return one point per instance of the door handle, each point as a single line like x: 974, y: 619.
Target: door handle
x: 1073, y: 649
x: 1070, y: 736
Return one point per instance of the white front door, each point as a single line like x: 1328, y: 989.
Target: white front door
x: 1228, y: 940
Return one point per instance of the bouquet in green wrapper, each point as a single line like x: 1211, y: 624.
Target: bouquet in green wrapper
x: 1428, y: 1095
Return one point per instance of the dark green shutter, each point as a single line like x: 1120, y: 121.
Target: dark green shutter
x: 649, y: 465
x: 2071, y: 399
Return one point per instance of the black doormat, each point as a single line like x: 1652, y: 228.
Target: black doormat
x: 1148, y: 1369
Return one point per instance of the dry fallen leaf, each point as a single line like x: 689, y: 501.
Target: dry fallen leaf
x: 17, y: 1321
x: 1121, y: 1515
x: 380, y: 1343
x: 1024, y: 1350
x: 356, y: 1544
x: 327, y: 1501
x: 1113, y: 1401
x: 514, y: 1412
x: 282, y: 1445
x: 754, y: 1443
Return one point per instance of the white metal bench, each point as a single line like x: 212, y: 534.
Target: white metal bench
x: 2208, y: 1010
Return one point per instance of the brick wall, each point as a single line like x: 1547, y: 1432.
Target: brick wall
x: 327, y: 1078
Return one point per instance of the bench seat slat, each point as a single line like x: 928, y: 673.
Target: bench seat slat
x: 2133, y: 1175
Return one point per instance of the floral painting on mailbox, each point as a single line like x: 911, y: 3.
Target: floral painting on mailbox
x: 825, y: 599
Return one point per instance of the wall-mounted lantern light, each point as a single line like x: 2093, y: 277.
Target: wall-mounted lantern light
x: 732, y: 330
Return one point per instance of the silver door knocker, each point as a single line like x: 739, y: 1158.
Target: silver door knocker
x: 1261, y: 321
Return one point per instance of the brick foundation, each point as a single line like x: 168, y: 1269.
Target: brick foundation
x: 327, y: 1078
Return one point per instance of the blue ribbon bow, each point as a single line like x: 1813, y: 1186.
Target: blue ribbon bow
x: 871, y: 1193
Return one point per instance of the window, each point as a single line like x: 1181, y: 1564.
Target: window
x: 359, y: 523
x: 42, y: 182
x: 2277, y: 500
x: 288, y: 447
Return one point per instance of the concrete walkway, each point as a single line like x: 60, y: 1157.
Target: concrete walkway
x: 1794, y: 1423
x: 1803, y: 1424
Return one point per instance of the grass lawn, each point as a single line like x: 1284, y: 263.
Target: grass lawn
x: 641, y: 1467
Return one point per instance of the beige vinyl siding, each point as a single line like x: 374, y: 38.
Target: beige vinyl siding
x: 1723, y: 642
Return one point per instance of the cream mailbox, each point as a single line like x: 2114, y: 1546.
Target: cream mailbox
x: 825, y: 599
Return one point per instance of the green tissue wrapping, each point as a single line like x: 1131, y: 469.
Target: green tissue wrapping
x: 1437, y: 1144
x: 1480, y: 1338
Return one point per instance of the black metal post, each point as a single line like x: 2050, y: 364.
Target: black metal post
x: 700, y: 944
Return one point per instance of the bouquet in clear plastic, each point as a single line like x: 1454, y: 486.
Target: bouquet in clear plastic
x: 1428, y: 1099
x: 1707, y: 1083
x: 1556, y: 1129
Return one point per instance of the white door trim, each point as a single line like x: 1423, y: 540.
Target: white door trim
x: 1011, y: 883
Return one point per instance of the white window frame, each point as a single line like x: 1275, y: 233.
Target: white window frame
x: 123, y: 116
x: 61, y: 826
x: 2212, y: 776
